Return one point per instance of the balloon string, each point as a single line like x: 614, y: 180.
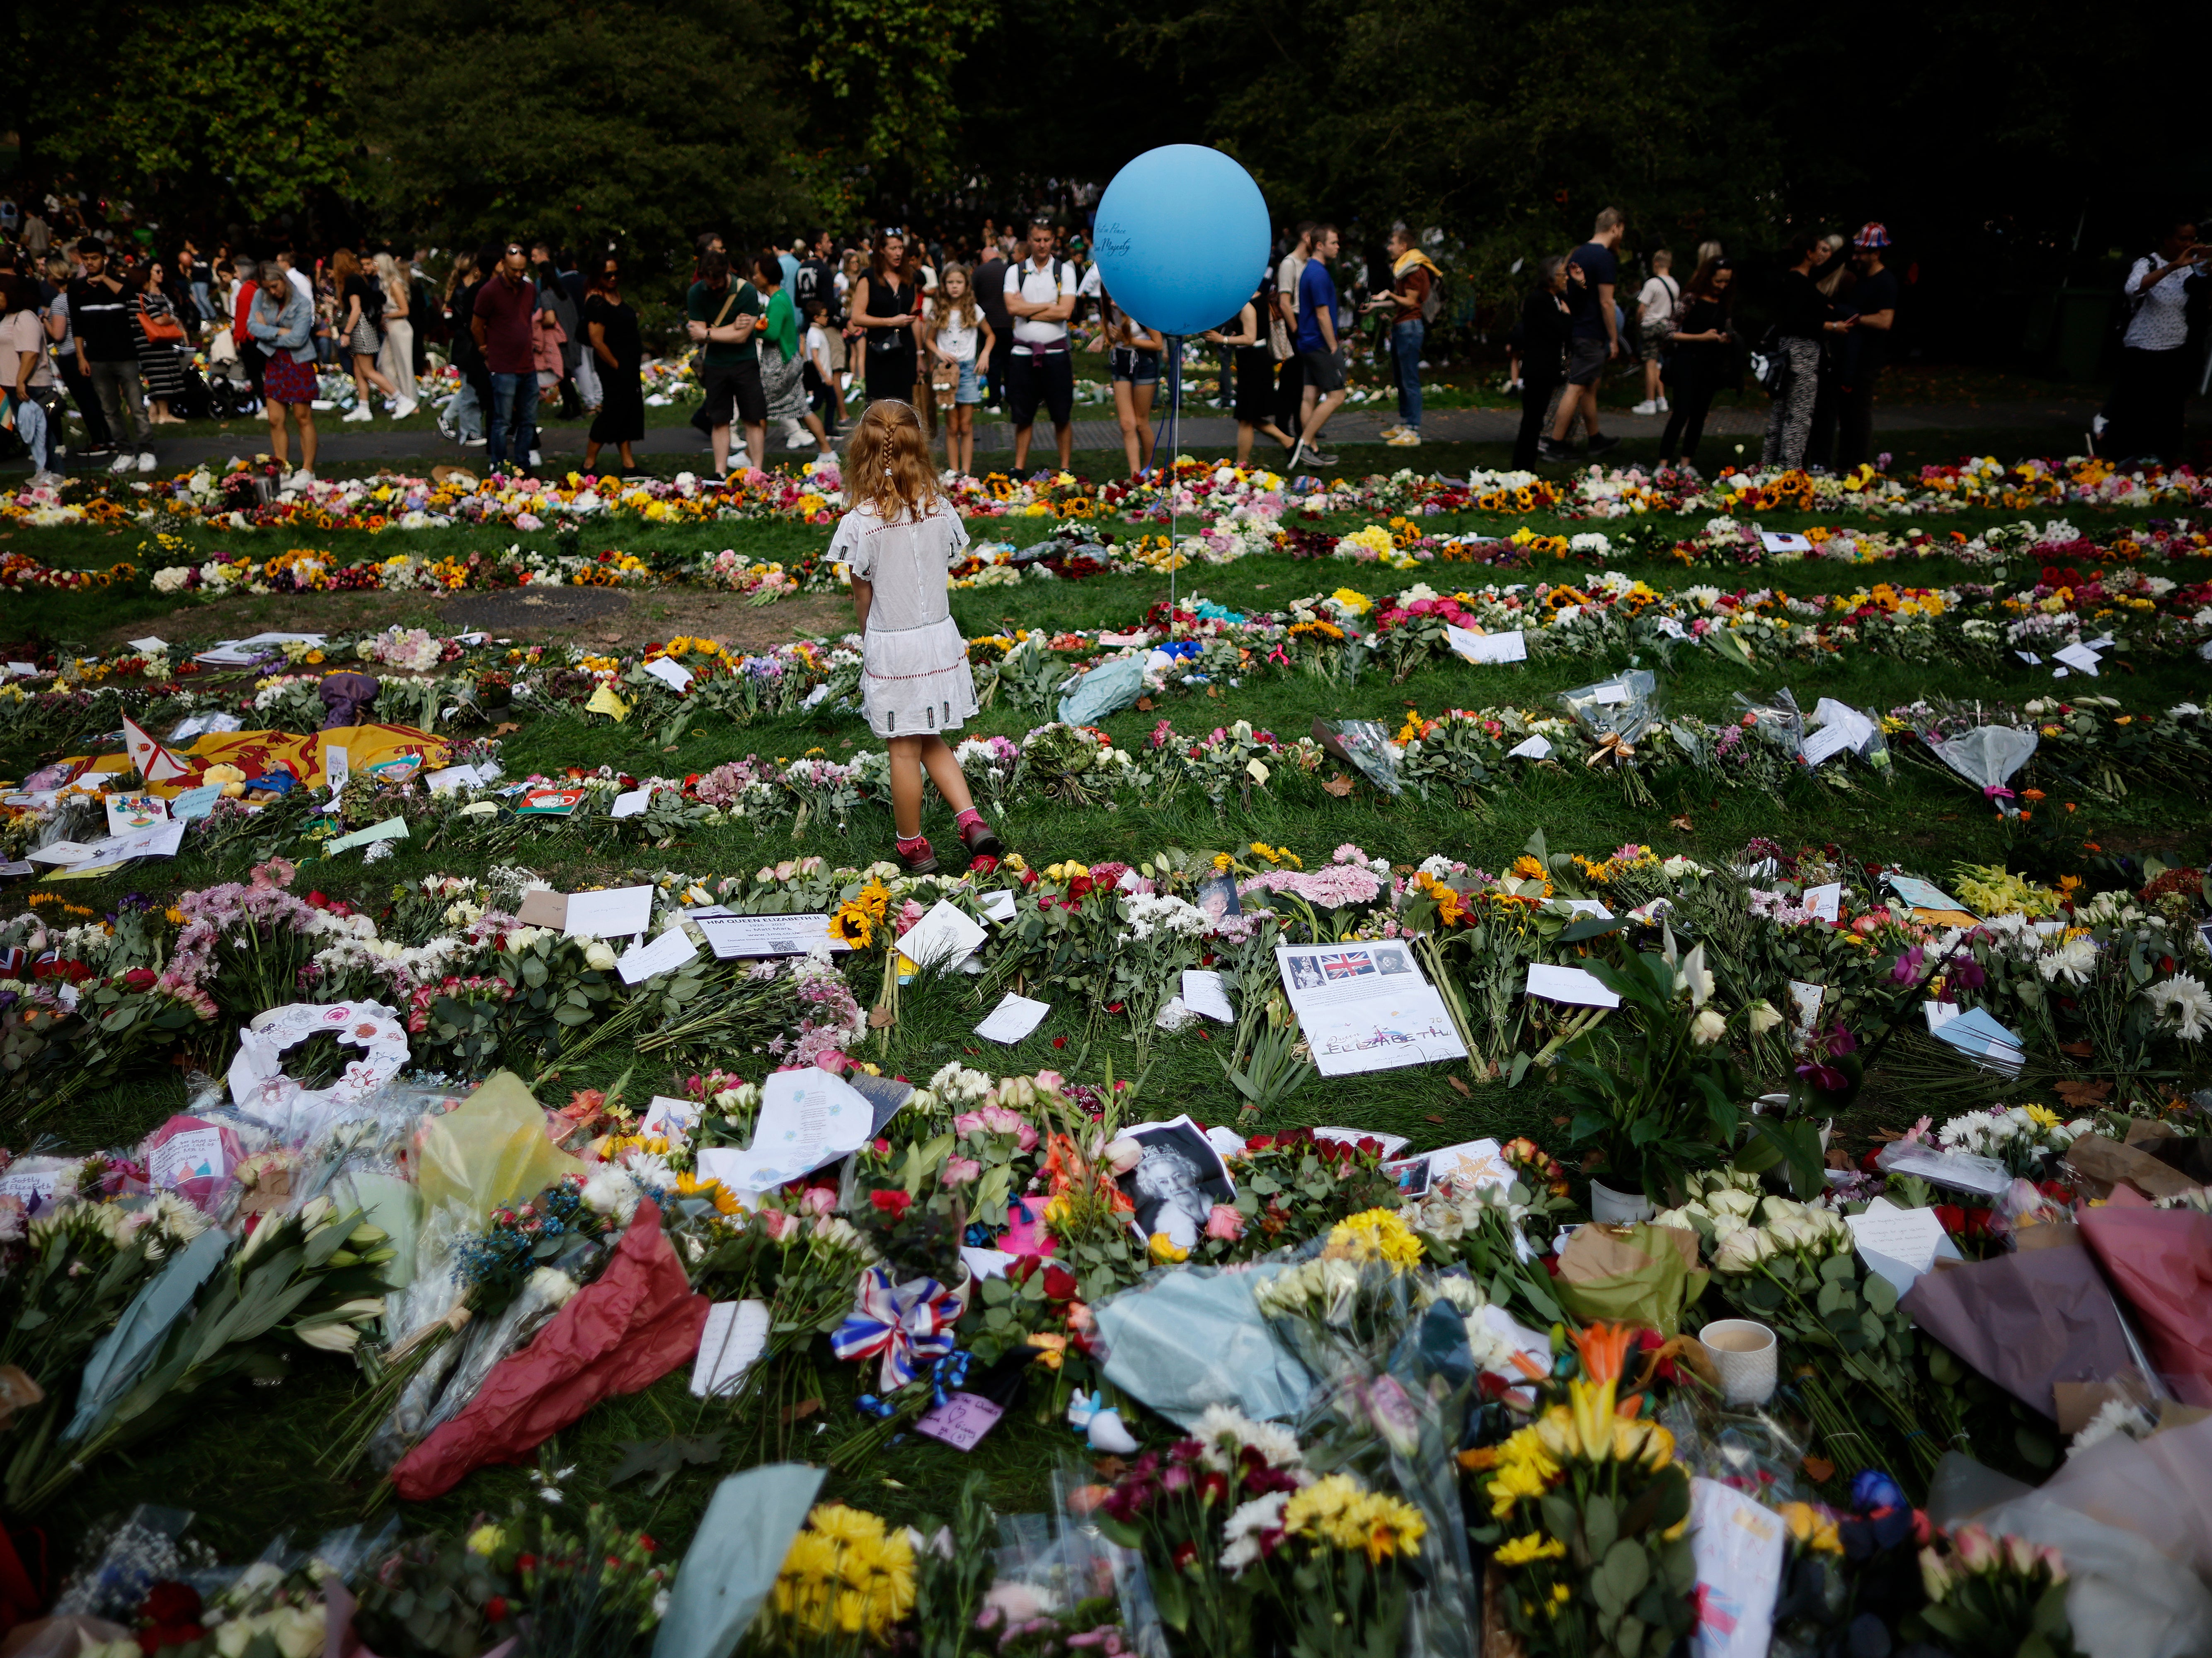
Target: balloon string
x: 1175, y: 424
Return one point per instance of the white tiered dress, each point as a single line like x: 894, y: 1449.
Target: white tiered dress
x: 914, y: 678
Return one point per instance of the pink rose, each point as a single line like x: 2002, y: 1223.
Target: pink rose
x: 817, y: 1200
x: 833, y: 1061
x: 1051, y: 1081
x: 776, y: 1224
x: 1225, y: 1223
x: 959, y: 1171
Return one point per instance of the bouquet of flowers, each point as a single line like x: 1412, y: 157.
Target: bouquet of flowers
x: 1589, y: 1517
x: 1993, y: 1597
x: 846, y: 1586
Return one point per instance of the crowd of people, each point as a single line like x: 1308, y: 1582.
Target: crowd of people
x: 1836, y: 312
x: 791, y: 336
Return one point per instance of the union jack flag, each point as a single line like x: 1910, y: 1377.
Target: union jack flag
x: 1350, y: 965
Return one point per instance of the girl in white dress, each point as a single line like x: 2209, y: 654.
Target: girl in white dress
x: 900, y: 542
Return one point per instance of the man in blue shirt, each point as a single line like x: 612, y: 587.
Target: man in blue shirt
x: 1317, y: 348
x: 1592, y: 338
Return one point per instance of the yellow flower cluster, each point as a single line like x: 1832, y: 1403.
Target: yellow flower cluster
x: 858, y: 916
x: 846, y: 1575
x: 1064, y: 872
x: 1812, y: 1527
x: 1532, y: 1545
x: 1341, y: 1512
x: 1524, y: 1468
x: 1356, y: 602
x: 1277, y: 855
x: 1374, y: 1235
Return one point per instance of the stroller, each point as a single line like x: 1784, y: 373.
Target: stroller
x: 226, y: 388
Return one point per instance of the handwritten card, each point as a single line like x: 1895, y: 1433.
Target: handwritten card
x: 1203, y: 993
x: 1512, y: 646
x: 664, y: 955
x: 1013, y: 1019
x: 961, y: 1421
x: 1825, y: 901
x: 732, y: 1344
x: 1570, y: 984
x: 945, y: 938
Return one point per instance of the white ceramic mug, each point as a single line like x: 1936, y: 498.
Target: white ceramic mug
x: 1748, y: 1357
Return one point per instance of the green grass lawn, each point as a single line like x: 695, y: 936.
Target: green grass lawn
x: 247, y: 1461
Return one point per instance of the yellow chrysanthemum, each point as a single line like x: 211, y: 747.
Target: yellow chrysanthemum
x: 1375, y: 1234
x: 1533, y: 1545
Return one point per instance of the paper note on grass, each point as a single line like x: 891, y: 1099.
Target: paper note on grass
x: 664, y: 955
x: 1899, y: 1244
x: 631, y: 804
x: 392, y: 828
x: 1202, y: 993
x: 608, y: 914
x: 1538, y: 747
x: 945, y: 938
x: 1569, y: 984
x: 1512, y: 646
x: 1013, y: 1019
x: 732, y: 1344
x: 807, y: 1118
x: 2079, y: 656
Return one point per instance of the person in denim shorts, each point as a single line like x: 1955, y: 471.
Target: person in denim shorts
x: 960, y: 337
x: 1134, y: 365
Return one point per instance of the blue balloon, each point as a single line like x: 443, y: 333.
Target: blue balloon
x: 1181, y: 238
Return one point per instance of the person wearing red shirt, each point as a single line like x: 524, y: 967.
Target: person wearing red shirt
x: 244, y: 270
x: 505, y: 327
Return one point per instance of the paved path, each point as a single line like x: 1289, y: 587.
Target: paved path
x: 671, y: 448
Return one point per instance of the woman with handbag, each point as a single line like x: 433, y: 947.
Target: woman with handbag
x: 884, y: 307
x: 157, y: 337
x: 398, y: 359
x: 360, y: 308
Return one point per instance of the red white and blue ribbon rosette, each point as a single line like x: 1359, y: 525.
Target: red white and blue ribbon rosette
x: 907, y: 1325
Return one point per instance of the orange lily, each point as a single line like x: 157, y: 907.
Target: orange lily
x: 1604, y: 1350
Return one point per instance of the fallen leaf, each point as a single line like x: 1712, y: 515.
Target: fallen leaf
x: 1338, y: 787
x: 610, y: 639
x: 2076, y: 1050
x: 1433, y: 1117
x: 1143, y: 705
x: 1110, y: 1467
x: 1818, y: 1470
x: 505, y: 726
x: 1681, y: 823
x: 664, y: 1458
x: 2082, y: 1095
x: 1462, y: 1086
x: 880, y: 1018
x: 1837, y: 1157
x: 801, y: 1411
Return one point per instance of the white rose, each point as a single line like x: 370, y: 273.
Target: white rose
x: 597, y: 954
x: 1732, y: 1201
x: 1742, y: 1251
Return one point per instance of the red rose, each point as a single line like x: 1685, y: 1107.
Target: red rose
x: 894, y: 1203
x: 171, y: 1603
x: 140, y: 978
x: 1079, y: 887
x: 495, y: 1609
x: 1059, y: 1283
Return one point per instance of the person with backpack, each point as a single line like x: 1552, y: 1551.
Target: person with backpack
x: 1654, y: 324
x: 1040, y: 292
x: 1416, y: 294
x: 2144, y: 418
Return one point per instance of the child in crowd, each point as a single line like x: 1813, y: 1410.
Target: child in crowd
x: 899, y: 540
x: 960, y: 338
x: 821, y: 373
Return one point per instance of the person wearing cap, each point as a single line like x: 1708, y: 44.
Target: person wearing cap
x: 1866, y: 346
